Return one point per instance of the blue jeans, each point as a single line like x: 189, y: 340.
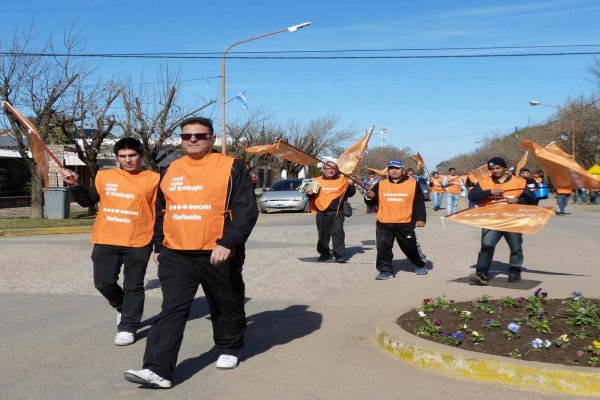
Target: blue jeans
x: 451, y: 203
x: 561, y: 201
x: 579, y: 193
x: 489, y: 240
x: 437, y: 199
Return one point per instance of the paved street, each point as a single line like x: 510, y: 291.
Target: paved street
x: 310, y: 333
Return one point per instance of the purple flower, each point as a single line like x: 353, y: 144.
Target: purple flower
x: 446, y: 334
x: 521, y: 299
x: 537, y: 292
x: 458, y: 336
x: 489, y: 320
x: 514, y: 327
x: 437, y: 322
x: 577, y: 293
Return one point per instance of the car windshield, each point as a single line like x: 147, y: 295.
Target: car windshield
x: 287, y: 185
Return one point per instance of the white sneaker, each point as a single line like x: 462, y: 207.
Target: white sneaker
x: 118, y: 319
x: 227, y: 361
x: 124, y: 338
x: 147, y: 378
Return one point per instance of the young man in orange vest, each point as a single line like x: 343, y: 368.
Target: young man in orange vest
x: 206, y: 209
x: 452, y: 185
x: 500, y: 187
x: 401, y: 209
x: 328, y: 204
x: 437, y: 189
x: 122, y: 232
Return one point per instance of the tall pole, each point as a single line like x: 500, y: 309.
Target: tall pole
x: 293, y: 28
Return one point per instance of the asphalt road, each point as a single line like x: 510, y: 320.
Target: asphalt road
x: 310, y: 333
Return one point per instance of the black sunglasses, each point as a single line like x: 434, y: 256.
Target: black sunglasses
x: 199, y: 136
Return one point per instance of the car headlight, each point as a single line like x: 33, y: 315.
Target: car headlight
x: 264, y: 199
x: 297, y: 199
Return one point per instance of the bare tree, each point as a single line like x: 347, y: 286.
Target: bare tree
x: 378, y: 157
x: 153, y: 114
x: 41, y: 87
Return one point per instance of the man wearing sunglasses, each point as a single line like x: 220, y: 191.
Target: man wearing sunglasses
x: 205, y: 211
x: 328, y: 203
x: 122, y: 232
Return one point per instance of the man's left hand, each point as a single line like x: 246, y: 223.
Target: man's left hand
x: 219, y: 255
x: 420, y: 224
x: 512, y: 200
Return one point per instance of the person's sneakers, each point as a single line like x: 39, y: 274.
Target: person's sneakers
x: 124, y: 338
x: 324, y: 257
x: 421, y: 271
x: 341, y: 260
x: 382, y: 276
x: 479, y: 278
x: 514, y: 276
x: 227, y: 361
x: 118, y: 319
x: 147, y: 378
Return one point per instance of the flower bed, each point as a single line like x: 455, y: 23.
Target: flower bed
x: 533, y: 328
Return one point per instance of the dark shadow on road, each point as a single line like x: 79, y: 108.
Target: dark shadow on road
x: 350, y: 251
x: 369, y: 243
x: 498, y: 267
x: 265, y: 330
x: 496, y: 281
x: 407, y: 266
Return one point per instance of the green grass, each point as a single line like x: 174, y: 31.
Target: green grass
x: 76, y: 219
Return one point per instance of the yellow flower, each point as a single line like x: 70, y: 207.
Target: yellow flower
x: 475, y: 333
x: 564, y: 338
x: 596, y: 344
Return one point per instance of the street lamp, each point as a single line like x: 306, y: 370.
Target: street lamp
x: 293, y: 28
x: 537, y: 103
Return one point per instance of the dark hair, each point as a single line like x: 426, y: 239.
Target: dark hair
x: 451, y: 168
x: 409, y: 170
x: 524, y: 170
x: 207, y: 122
x: 129, y: 143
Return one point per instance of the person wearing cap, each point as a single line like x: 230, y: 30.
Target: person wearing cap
x: 369, y: 182
x: 452, y: 185
x: 401, y: 209
x: 328, y: 204
x: 500, y: 187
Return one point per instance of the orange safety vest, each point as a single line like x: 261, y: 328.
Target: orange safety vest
x: 564, y: 191
x: 195, y: 201
x: 330, y: 190
x: 513, y: 188
x: 453, y: 184
x: 437, y: 181
x: 396, y: 201
x: 126, y: 212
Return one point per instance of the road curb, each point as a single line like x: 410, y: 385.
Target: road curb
x: 480, y: 367
x: 46, y: 231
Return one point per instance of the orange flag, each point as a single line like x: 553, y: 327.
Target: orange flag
x: 504, y: 217
x: 382, y: 172
x: 521, y: 163
x: 417, y: 157
x: 348, y: 162
x: 285, y: 151
x: 39, y: 150
x: 560, y: 167
x: 480, y: 172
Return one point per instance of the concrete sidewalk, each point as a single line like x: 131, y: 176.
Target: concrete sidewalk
x: 310, y: 334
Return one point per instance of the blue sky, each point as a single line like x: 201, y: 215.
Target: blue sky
x: 440, y: 107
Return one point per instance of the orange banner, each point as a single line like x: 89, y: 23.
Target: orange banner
x: 348, y: 162
x: 521, y: 163
x: 560, y: 167
x: 504, y: 217
x: 285, y: 151
x: 481, y: 172
x: 417, y: 157
x: 382, y: 172
x: 39, y: 150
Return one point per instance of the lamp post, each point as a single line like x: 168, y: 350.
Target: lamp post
x: 293, y: 28
x: 537, y: 103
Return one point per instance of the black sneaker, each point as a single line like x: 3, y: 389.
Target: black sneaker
x: 324, y: 257
x: 341, y: 260
x: 479, y: 278
x: 514, y: 276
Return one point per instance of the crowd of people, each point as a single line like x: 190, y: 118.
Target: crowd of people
x: 194, y: 218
